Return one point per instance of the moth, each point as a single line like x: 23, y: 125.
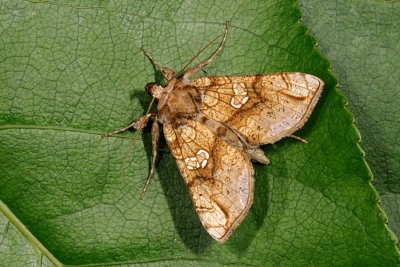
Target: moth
x: 214, y: 125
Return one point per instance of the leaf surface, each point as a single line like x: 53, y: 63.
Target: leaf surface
x: 364, y: 50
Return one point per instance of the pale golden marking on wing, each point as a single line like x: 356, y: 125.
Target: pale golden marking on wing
x: 222, y: 188
x: 200, y: 160
x: 210, y: 98
x: 277, y: 104
x: 240, y: 95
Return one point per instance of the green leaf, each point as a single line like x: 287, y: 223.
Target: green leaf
x: 17, y: 245
x: 364, y: 49
x: 72, y: 71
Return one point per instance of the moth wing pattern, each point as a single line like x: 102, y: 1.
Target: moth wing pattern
x: 263, y: 108
x: 218, y: 176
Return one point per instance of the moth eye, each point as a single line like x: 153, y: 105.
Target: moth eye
x: 149, y: 88
x: 154, y: 90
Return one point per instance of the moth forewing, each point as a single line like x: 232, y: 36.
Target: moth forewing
x: 218, y: 176
x: 262, y: 108
x: 214, y: 126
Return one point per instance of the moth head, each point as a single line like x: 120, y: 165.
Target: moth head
x: 154, y: 90
x: 168, y: 73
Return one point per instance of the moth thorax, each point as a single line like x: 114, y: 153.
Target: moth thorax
x: 154, y: 90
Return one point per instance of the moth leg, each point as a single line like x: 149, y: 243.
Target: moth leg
x: 256, y: 154
x: 298, y: 138
x: 167, y: 72
x: 155, y: 133
x: 137, y: 125
x: 204, y: 63
x: 253, y: 152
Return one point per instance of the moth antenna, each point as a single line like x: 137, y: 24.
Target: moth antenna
x: 128, y: 152
x: 150, y: 105
x: 201, y: 51
x: 138, y: 129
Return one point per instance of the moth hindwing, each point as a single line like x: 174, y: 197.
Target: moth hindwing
x: 214, y: 126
